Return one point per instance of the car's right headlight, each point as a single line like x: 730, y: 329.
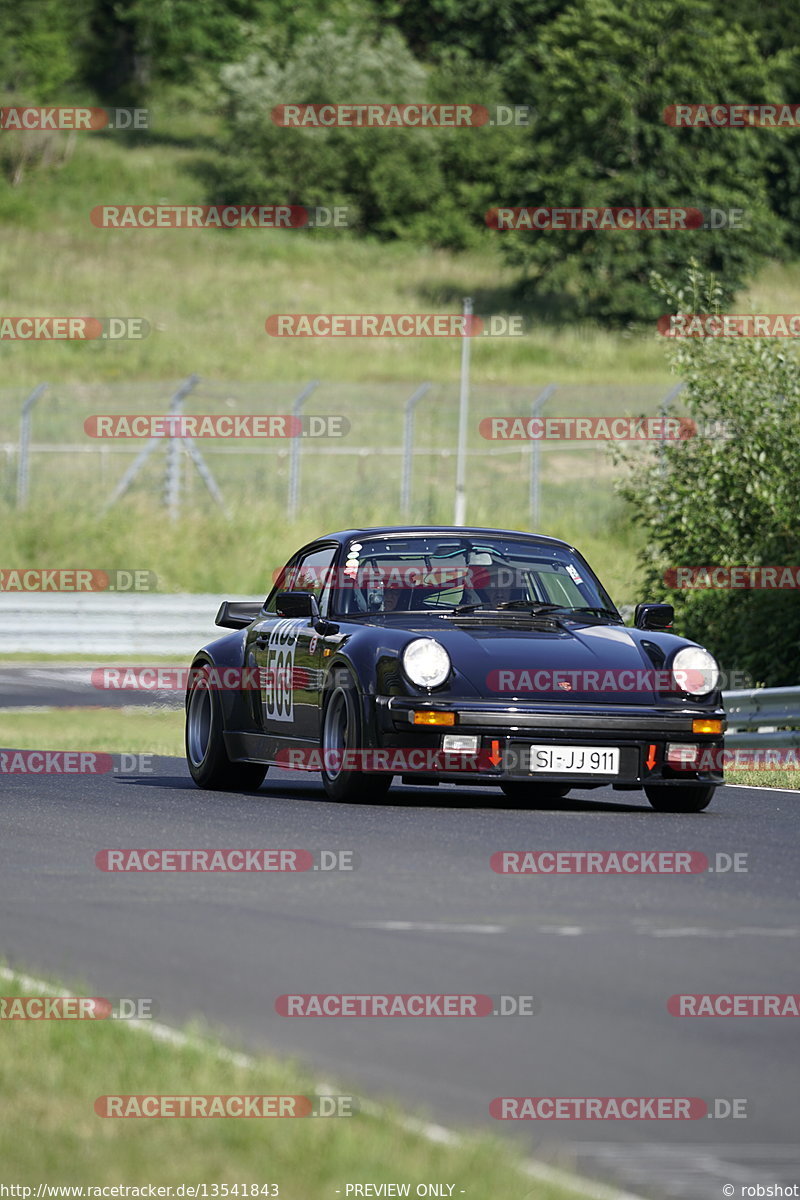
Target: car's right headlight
x: 426, y: 662
x: 695, y: 671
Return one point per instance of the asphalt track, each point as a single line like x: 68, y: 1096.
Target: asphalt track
x: 423, y: 912
x: 38, y: 685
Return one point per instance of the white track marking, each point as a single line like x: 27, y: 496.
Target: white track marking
x: 428, y: 927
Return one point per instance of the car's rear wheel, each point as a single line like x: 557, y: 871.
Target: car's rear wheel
x: 208, y: 761
x: 534, y: 794
x: 679, y: 799
x: 341, y: 733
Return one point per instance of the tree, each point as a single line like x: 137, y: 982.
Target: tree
x: 136, y: 43
x: 601, y: 76
x: 40, y: 42
x: 728, y: 501
x: 490, y: 31
x: 431, y: 185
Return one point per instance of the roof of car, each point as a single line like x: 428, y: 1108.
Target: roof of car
x: 437, y: 530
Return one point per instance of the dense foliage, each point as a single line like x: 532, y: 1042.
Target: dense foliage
x: 596, y: 75
x: 729, y: 500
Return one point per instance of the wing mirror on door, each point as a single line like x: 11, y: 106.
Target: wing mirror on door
x: 654, y: 616
x: 297, y: 604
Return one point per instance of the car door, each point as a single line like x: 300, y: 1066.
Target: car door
x: 287, y: 652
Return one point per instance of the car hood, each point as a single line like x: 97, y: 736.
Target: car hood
x: 559, y: 662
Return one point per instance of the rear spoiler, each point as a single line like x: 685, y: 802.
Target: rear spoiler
x: 237, y: 614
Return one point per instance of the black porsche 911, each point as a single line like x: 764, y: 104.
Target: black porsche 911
x: 453, y: 655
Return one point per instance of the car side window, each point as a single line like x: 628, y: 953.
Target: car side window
x: 311, y: 572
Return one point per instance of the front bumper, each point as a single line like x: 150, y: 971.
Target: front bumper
x: 506, y: 732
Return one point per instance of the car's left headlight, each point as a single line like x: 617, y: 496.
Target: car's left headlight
x: 426, y: 662
x: 695, y: 671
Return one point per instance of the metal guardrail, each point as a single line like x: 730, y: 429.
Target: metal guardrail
x: 96, y: 623
x: 763, y: 717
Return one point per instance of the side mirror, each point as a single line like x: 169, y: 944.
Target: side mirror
x: 237, y: 614
x: 654, y: 616
x: 297, y: 604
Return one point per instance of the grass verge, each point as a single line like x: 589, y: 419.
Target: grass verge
x: 51, y: 1073
x: 128, y: 730
x: 787, y: 780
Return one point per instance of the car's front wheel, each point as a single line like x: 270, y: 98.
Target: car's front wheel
x: 341, y: 738
x: 534, y: 794
x: 208, y: 761
x: 679, y: 799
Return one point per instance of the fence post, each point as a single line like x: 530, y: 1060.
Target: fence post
x: 460, y: 514
x: 294, y: 453
x: 172, y: 480
x: 408, y: 448
x: 24, y: 445
x: 141, y: 458
x: 535, y: 483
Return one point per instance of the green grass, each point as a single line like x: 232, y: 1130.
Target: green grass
x: 131, y: 729
x: 51, y: 1072
x: 207, y: 293
x: 202, y: 552
x: 787, y: 780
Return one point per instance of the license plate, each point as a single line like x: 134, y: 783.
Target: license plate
x: 577, y: 760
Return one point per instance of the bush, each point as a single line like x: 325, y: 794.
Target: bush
x: 728, y: 501
x: 600, y: 78
x: 430, y: 185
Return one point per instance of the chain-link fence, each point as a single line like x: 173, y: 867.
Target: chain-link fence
x: 390, y: 456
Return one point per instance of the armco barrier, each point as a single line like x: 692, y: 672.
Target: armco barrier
x: 82, y: 623
x: 763, y: 717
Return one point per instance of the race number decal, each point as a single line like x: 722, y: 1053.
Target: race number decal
x: 279, y: 671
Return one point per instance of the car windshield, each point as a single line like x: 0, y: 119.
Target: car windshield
x: 469, y: 573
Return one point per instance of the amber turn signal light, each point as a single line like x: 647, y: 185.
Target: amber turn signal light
x: 707, y: 725
x: 427, y: 716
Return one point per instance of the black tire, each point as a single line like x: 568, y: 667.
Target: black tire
x: 524, y: 792
x: 208, y: 761
x: 686, y: 799
x: 341, y: 731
